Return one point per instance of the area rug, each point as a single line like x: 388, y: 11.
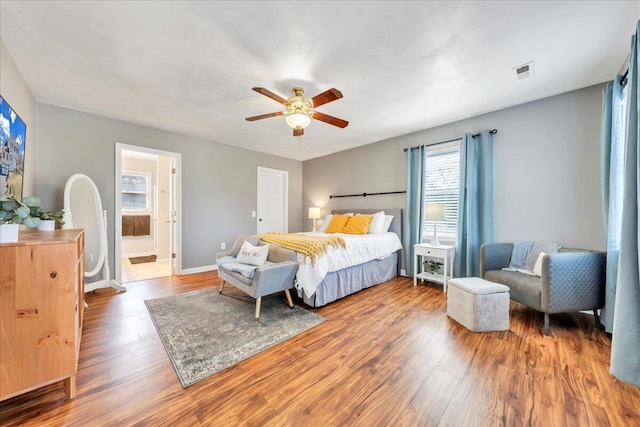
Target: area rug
x: 143, y: 259
x: 205, y: 332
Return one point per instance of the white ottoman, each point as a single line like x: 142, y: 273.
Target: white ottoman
x: 478, y: 304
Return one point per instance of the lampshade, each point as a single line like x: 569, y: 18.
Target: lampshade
x: 314, y: 213
x: 435, y: 212
x: 298, y: 120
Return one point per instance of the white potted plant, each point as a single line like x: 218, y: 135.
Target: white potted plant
x: 48, y: 219
x: 27, y: 212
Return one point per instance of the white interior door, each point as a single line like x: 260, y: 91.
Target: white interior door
x: 173, y: 206
x: 163, y: 209
x: 273, y: 200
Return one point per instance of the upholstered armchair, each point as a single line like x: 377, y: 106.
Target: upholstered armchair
x: 276, y: 276
x: 572, y: 280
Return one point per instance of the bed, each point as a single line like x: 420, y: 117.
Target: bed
x: 376, y: 260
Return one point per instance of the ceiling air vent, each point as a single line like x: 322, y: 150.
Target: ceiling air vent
x: 523, y: 71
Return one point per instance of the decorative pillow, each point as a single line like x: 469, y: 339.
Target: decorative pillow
x: 235, y: 249
x: 358, y: 224
x: 337, y: 223
x: 537, y: 268
x: 377, y: 223
x: 325, y: 223
x: 253, y: 255
x: 387, y: 223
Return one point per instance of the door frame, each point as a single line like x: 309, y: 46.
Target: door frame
x: 176, y: 192
x: 285, y: 211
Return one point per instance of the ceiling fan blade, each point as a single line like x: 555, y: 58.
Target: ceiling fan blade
x: 264, y: 116
x: 271, y: 95
x: 326, y: 97
x: 298, y: 132
x: 330, y: 119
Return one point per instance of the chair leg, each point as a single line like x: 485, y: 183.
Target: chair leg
x: 222, y: 286
x: 258, y: 301
x: 546, y: 324
x: 286, y: 292
x: 597, y: 319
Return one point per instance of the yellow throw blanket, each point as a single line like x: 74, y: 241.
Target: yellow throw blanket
x: 309, y: 246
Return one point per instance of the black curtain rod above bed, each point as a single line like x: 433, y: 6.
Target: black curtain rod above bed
x: 367, y: 194
x: 492, y: 132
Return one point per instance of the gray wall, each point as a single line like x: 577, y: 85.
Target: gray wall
x: 546, y: 173
x: 15, y: 91
x: 218, y: 181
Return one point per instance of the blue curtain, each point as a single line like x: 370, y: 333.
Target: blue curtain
x: 475, y: 203
x: 625, y: 344
x: 611, y: 168
x: 415, y: 204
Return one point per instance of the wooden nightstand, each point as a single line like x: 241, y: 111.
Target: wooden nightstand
x: 443, y: 252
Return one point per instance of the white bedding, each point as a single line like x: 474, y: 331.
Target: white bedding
x: 360, y: 248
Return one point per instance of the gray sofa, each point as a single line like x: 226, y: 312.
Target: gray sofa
x: 572, y: 280
x: 268, y: 279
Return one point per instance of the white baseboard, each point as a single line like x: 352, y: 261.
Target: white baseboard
x: 199, y: 269
x: 403, y: 272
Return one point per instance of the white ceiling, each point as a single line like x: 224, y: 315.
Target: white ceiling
x: 189, y: 66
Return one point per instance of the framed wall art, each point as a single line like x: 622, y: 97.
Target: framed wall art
x: 12, y: 143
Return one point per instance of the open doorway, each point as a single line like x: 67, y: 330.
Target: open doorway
x: 147, y: 207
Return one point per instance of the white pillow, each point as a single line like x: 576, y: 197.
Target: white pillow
x: 325, y: 223
x: 387, y: 223
x: 377, y: 223
x: 537, y: 268
x: 253, y: 255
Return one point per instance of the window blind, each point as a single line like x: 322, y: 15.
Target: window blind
x: 442, y: 183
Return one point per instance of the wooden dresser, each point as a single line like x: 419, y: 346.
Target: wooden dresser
x: 41, y: 310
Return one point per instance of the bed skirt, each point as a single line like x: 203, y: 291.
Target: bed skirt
x: 347, y: 281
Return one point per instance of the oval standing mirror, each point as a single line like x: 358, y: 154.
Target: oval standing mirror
x: 83, y: 209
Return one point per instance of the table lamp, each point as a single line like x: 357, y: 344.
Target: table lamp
x: 435, y: 213
x: 314, y: 213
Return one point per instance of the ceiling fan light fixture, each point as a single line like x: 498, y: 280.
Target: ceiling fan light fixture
x: 298, y: 120
x: 299, y: 110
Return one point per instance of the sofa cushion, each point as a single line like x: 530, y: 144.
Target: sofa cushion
x: 519, y: 254
x: 235, y: 275
x: 279, y: 254
x: 235, y: 249
x: 536, y: 248
x: 525, y: 288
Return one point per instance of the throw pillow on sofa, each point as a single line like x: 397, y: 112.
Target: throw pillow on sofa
x: 253, y: 255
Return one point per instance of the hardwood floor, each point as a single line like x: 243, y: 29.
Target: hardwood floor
x: 388, y: 355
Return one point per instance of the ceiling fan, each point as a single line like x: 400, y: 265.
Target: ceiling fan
x: 299, y: 110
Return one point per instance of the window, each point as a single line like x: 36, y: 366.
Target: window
x: 135, y: 191
x: 442, y: 183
